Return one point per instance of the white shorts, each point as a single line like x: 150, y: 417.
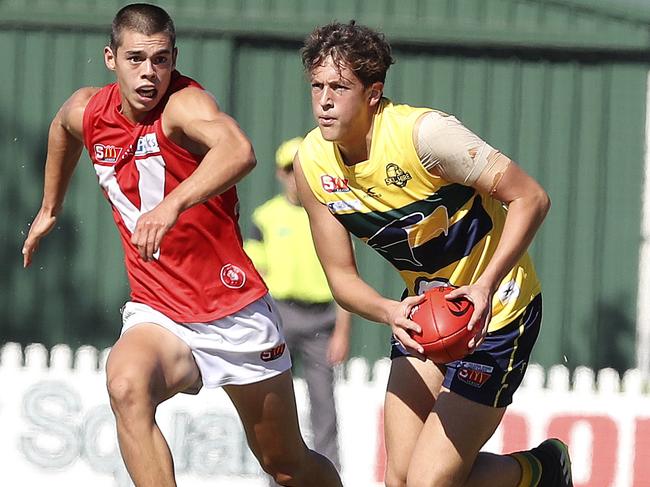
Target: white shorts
x: 245, y: 347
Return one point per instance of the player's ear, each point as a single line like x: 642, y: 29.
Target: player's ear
x: 174, y: 57
x: 376, y: 90
x: 109, y: 58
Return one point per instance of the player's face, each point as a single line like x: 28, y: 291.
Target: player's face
x: 342, y: 105
x: 143, y: 65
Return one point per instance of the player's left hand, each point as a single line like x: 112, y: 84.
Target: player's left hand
x: 41, y: 226
x: 481, y: 298
x: 151, y: 228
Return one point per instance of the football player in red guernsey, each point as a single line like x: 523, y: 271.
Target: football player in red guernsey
x: 167, y: 160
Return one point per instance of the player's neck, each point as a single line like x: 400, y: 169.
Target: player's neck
x: 357, y: 149
x: 130, y: 114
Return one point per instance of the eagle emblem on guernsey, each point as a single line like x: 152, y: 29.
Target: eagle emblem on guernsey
x: 401, y: 236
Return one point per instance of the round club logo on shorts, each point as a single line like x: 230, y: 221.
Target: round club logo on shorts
x: 232, y: 276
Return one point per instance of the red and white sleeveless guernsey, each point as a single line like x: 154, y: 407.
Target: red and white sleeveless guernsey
x: 201, y: 272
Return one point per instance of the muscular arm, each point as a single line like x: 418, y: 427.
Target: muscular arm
x: 193, y: 117
x: 457, y: 155
x: 528, y: 205
x: 64, y: 146
x: 335, y: 252
x: 193, y: 120
x: 527, y: 202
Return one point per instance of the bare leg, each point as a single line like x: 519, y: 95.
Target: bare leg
x: 453, y: 435
x: 146, y: 366
x: 412, y: 388
x: 433, y: 436
x: 268, y: 412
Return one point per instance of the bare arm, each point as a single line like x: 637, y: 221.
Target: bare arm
x: 334, y: 249
x: 193, y: 120
x: 528, y: 205
x: 64, y: 146
x: 462, y: 157
x: 527, y: 202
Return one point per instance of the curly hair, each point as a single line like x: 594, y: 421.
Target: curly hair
x: 365, y: 51
x: 144, y: 19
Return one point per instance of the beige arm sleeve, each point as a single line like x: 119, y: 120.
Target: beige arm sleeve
x: 447, y: 148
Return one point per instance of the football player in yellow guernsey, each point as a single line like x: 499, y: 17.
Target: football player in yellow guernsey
x: 443, y: 207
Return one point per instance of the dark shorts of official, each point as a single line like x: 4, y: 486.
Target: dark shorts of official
x: 493, y: 372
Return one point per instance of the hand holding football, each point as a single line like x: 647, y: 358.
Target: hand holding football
x: 444, y: 335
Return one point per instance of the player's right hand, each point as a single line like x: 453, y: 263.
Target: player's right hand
x: 151, y: 227
x: 41, y: 226
x: 400, y: 324
x: 481, y: 298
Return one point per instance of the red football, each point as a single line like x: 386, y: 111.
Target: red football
x: 444, y: 335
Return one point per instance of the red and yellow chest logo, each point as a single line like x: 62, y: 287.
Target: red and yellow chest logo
x: 108, y: 154
x: 334, y: 184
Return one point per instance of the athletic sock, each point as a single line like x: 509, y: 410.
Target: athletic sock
x: 531, y: 469
x: 547, y: 465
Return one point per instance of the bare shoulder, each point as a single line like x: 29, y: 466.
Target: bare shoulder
x: 192, y: 119
x: 192, y: 103
x: 71, y: 113
x: 80, y: 98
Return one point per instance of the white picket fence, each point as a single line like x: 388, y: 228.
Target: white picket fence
x: 57, y: 426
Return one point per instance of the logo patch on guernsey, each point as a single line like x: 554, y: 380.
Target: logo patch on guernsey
x: 147, y: 144
x: 341, y: 206
x: 334, y: 184
x: 474, y: 374
x: 273, y: 353
x: 395, y: 175
x: 508, y: 292
x: 232, y: 276
x: 107, y: 153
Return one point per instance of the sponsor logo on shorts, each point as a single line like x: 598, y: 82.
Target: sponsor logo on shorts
x: 474, y: 374
x: 273, y: 353
x: 107, y: 153
x: 126, y: 315
x: 232, y: 276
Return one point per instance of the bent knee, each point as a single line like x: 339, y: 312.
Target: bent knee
x: 126, y: 393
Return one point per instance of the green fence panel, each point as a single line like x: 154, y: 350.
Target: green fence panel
x: 557, y: 85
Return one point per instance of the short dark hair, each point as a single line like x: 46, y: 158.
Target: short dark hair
x: 142, y: 18
x: 365, y: 51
